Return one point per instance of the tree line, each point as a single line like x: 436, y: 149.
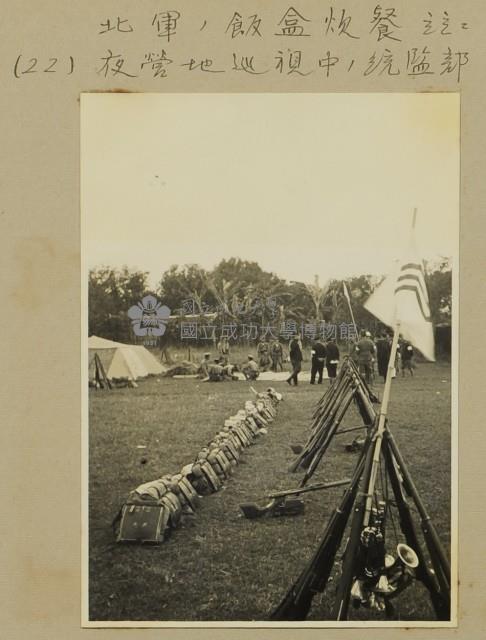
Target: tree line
x: 241, y: 292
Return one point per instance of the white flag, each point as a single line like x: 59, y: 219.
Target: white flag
x: 402, y: 296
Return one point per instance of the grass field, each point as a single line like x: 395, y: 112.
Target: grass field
x: 218, y: 565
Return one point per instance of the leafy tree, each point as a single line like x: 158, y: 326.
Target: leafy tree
x: 242, y: 288
x: 306, y: 302
x: 111, y: 292
x: 439, y: 285
x: 242, y: 292
x: 185, y: 282
x: 336, y: 307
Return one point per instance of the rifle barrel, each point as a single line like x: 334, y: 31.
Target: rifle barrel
x: 432, y: 534
x: 313, y: 487
x: 298, y: 599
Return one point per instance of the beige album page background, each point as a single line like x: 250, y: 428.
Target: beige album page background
x: 40, y: 405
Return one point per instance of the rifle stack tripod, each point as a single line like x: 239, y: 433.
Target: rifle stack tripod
x: 371, y: 577
x: 327, y: 418
x: 331, y: 410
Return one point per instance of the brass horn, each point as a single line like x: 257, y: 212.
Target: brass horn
x: 407, y: 556
x: 402, y: 571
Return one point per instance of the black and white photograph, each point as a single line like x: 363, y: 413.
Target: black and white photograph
x: 270, y: 359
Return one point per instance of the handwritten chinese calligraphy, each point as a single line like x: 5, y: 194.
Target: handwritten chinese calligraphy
x: 166, y: 23
x: 113, y: 64
x: 396, y: 47
x: 290, y: 62
x: 236, y: 26
x: 246, y: 63
x: 158, y: 63
x: 454, y: 61
x: 418, y: 63
x: 341, y: 26
x: 205, y: 64
x: 120, y: 24
x: 292, y: 24
x: 384, y: 23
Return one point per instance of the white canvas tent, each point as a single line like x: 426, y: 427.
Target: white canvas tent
x: 122, y: 360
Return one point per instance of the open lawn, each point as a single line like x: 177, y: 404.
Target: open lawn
x: 218, y: 565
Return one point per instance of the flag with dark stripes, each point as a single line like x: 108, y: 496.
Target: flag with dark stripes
x: 403, y: 297
x: 411, y: 278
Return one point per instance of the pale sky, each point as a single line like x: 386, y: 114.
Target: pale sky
x: 303, y: 184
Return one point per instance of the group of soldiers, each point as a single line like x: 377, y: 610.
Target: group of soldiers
x: 220, y: 368
x: 216, y: 370
x: 323, y: 353
x: 270, y: 355
x: 366, y: 352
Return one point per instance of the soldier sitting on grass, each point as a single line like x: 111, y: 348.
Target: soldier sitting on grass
x: 250, y: 370
x: 229, y: 372
x: 215, y: 372
x: 203, y: 371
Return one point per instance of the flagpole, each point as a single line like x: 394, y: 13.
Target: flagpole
x: 386, y: 396
x: 381, y: 425
x: 346, y: 295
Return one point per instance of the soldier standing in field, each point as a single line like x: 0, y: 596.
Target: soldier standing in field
x: 277, y: 355
x: 406, y: 352
x: 365, y: 350
x: 318, y: 353
x: 263, y: 354
x: 224, y: 350
x: 296, y: 357
x: 332, y: 359
x: 383, y: 350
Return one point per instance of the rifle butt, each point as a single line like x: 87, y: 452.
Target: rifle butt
x: 293, y: 608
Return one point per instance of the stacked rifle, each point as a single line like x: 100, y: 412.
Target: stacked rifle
x: 380, y: 489
x: 349, y: 387
x: 101, y: 380
x: 155, y: 508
